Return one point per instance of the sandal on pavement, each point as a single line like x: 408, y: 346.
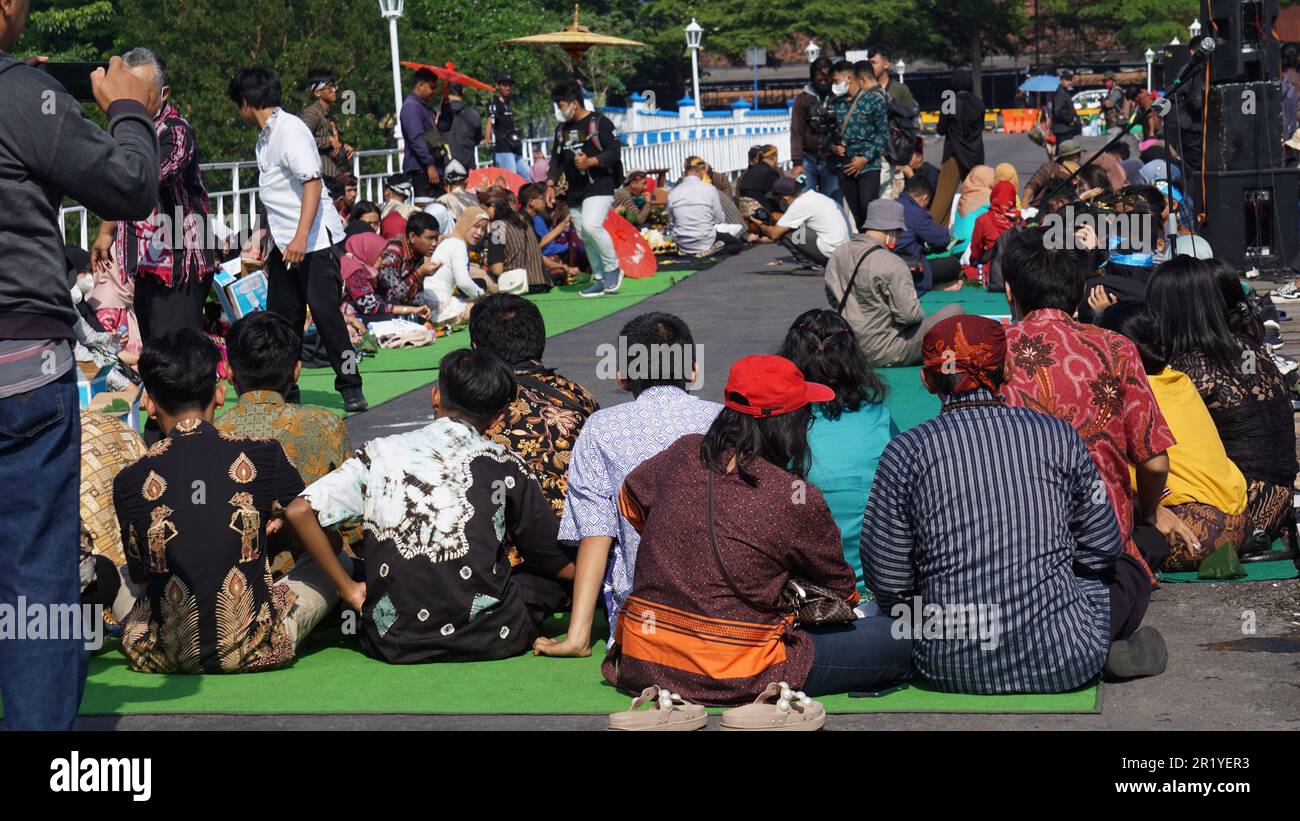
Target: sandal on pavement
x: 777, y: 708
x: 670, y: 713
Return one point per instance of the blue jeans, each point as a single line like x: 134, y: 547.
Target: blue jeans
x: 820, y: 175
x: 857, y: 656
x: 41, y: 680
x: 512, y: 162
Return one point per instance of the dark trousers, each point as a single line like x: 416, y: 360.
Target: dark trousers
x: 1130, y: 594
x: 859, y: 191
x: 161, y: 309
x: 731, y: 244
x: 41, y: 679
x: 316, y: 283
x: 806, y: 251
x: 857, y: 655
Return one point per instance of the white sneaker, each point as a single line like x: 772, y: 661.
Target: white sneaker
x: 1287, y: 293
x: 1271, y: 325
x: 1285, y: 364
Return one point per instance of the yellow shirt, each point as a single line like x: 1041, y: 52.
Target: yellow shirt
x: 1199, y: 467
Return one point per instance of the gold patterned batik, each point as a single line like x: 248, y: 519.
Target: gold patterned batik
x: 161, y: 531
x: 247, y: 522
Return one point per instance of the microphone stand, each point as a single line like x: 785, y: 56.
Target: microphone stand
x: 1161, y: 105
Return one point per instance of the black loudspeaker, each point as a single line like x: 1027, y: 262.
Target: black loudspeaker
x: 1245, y: 127
x: 1251, y: 216
x: 1246, y: 48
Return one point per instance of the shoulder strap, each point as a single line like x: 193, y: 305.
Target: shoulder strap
x: 848, y: 289
x: 544, y: 387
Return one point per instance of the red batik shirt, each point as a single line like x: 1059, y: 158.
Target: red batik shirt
x: 1093, y: 379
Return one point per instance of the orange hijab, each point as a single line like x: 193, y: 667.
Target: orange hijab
x: 975, y: 189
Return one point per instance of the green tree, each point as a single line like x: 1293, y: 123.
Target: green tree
x: 1136, y: 24
x: 964, y: 31
x: 70, y: 31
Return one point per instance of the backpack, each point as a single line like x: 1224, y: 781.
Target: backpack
x: 902, y: 131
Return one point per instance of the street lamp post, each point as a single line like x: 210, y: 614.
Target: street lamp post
x: 901, y: 66
x: 1151, y: 56
x: 390, y: 10
x: 694, y: 32
x: 812, y: 51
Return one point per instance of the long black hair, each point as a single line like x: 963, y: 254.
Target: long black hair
x: 1135, y: 320
x: 781, y: 440
x: 1185, y: 295
x: 822, y: 345
x: 1242, y: 316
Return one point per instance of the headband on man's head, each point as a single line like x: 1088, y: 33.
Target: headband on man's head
x: 973, y: 346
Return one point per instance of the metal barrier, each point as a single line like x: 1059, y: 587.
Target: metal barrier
x: 232, y: 199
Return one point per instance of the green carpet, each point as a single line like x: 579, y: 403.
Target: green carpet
x: 391, y: 373
x: 909, y: 402
x: 1275, y: 571
x: 331, y: 675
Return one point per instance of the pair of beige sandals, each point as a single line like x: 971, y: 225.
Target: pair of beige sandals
x: 777, y: 708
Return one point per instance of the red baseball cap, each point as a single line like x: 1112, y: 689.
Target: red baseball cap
x: 764, y: 385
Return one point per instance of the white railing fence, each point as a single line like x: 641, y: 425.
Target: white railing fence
x: 232, y: 186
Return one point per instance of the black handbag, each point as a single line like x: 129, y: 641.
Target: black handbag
x: 810, y: 604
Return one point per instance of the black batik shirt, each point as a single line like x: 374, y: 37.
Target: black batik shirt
x: 193, y: 513
x: 439, y: 507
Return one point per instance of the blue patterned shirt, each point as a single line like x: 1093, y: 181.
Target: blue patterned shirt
x: 612, y: 443
x: 1000, y: 510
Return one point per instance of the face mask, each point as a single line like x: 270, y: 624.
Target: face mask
x: 840, y: 89
x: 822, y: 89
x: 76, y: 296
x: 85, y: 283
x: 559, y: 114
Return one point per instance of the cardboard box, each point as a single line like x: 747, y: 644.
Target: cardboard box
x: 131, y: 396
x: 91, y: 380
x: 241, y: 289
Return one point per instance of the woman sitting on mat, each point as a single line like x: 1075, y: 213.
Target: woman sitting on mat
x: 359, y: 268
x: 712, y: 574
x: 453, y: 274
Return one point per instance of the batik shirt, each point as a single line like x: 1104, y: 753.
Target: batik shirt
x: 1093, y: 379
x: 864, y: 127
x: 398, y: 283
x: 613, y: 442
x: 193, y: 513
x: 439, y: 506
x: 985, y: 513
x: 170, y: 244
x: 107, y: 446
x: 541, y: 425
x: 316, y: 442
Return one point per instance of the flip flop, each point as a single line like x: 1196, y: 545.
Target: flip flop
x: 670, y: 713
x: 777, y: 708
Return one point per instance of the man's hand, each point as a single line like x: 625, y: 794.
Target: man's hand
x: 1086, y: 238
x: 855, y: 166
x: 838, y: 149
x: 797, y: 170
x: 102, y: 249
x: 570, y: 647
x: 36, y: 61
x: 119, y: 84
x: 1173, y: 529
x: 428, y: 267
x: 434, y: 176
x: 355, y: 596
x: 908, y: 171
x: 582, y: 162
x: 296, y: 251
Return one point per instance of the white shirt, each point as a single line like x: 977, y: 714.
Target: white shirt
x: 820, y: 213
x: 287, y: 158
x: 452, y: 274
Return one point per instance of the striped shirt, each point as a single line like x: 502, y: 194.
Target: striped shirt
x: 987, y: 511
x: 27, y: 364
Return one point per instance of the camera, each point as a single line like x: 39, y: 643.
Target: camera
x: 821, y: 119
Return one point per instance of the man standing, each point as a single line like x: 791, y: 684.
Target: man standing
x: 900, y: 100
x: 418, y: 128
x: 167, y: 254
x: 1065, y: 121
x: 462, y: 125
x: 864, y: 130
x: 875, y: 288
x: 502, y: 134
x: 113, y: 173
x: 812, y: 130
x: 334, y: 153
x: 303, y: 266
x: 587, y: 154
x: 1113, y: 106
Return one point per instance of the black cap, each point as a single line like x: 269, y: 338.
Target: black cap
x: 77, y: 260
x: 505, y: 78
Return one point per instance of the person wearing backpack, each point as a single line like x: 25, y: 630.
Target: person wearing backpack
x: 586, y: 155
x: 863, y: 124
x: 902, y: 112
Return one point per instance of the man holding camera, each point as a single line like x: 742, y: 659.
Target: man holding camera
x: 812, y: 127
x: 49, y: 149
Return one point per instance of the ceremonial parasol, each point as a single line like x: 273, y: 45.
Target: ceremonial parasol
x: 575, y: 39
x: 450, y: 74
x: 491, y: 176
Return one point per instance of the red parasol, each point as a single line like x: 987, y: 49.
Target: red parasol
x: 490, y: 176
x: 449, y: 73
x: 635, y: 257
